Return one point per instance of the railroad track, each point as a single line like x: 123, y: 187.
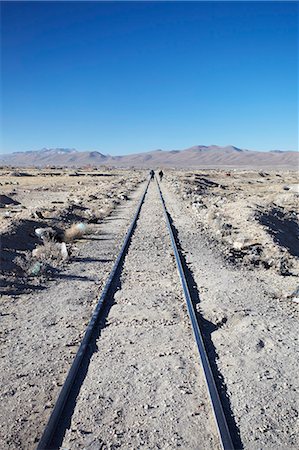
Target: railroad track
x: 62, y: 411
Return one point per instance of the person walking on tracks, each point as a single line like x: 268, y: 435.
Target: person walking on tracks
x: 161, y: 175
x: 152, y: 174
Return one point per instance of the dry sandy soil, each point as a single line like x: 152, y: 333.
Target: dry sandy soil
x: 251, y: 215
x: 32, y: 199
x: 144, y: 387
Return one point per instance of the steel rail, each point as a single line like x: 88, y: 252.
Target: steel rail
x: 57, y: 413
x: 220, y: 419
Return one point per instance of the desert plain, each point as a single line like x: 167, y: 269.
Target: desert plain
x: 238, y: 234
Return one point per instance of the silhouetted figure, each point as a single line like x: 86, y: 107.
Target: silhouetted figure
x: 161, y: 175
x: 152, y: 174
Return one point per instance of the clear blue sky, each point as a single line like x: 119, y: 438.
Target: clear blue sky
x: 129, y: 77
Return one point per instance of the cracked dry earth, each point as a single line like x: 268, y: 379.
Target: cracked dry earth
x: 144, y: 387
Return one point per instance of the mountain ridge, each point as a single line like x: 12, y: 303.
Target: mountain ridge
x: 191, y: 157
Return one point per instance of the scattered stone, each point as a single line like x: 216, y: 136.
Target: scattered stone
x: 39, y: 214
x: 35, y: 269
x: 21, y: 174
x: 8, y: 201
x: 239, y: 243
x: 46, y: 234
x: 294, y: 188
x: 294, y: 296
x: 64, y: 252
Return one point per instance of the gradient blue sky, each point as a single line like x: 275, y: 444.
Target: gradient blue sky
x: 129, y: 77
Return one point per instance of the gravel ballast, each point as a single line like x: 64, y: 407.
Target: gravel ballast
x: 144, y: 386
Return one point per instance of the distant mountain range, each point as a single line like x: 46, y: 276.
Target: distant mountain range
x: 193, y: 157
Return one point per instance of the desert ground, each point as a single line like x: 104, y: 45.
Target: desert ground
x: 238, y: 236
